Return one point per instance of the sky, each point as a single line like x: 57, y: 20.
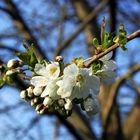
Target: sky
x: 23, y: 114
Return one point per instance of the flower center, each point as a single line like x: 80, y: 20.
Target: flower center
x: 53, y: 70
x: 79, y: 78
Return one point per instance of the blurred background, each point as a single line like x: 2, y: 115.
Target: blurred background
x: 67, y: 27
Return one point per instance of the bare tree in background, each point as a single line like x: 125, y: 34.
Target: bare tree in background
x: 67, y: 28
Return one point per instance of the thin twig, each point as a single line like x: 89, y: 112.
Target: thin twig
x: 98, y: 56
x: 24, y: 77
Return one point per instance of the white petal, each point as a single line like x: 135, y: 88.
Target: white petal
x: 39, y: 81
x: 53, y: 70
x: 108, y: 77
x: 82, y: 92
x: 109, y: 65
x: 40, y: 69
x: 71, y: 70
x: 45, y: 92
x: 107, y: 56
x: 84, y: 72
x: 51, y: 90
x: 59, y: 83
x: 93, y: 83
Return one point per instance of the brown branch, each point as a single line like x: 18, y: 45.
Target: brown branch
x: 98, y: 56
x: 56, y: 131
x: 131, y: 126
x: 11, y: 49
x: 22, y: 27
x: 87, y: 20
x: 24, y: 77
x: 114, y: 89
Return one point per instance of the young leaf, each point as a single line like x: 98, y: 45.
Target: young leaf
x: 121, y: 38
x: 95, y: 42
x: 97, y: 65
x: 28, y: 57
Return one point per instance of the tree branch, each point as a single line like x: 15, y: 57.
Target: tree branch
x: 98, y: 56
x: 81, y: 27
x: 114, y: 90
x: 22, y: 27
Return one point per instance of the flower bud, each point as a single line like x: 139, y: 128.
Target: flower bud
x: 43, y: 110
x: 47, y: 101
x: 12, y: 63
x: 37, y: 91
x: 34, y: 101
x: 58, y: 58
x: 38, y: 112
x: 10, y: 72
x: 30, y: 91
x: 68, y: 105
x: 61, y: 102
x: 91, y: 105
x: 38, y: 107
x: 23, y: 94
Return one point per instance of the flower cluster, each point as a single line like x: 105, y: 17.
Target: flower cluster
x: 56, y: 87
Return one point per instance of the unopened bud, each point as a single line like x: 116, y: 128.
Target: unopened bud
x: 34, y: 101
x: 38, y: 112
x: 59, y: 58
x: 23, y: 94
x: 61, y: 102
x: 12, y: 63
x: 12, y: 71
x: 47, y: 101
x: 68, y: 105
x: 30, y: 91
x: 42, y: 111
x: 38, y: 107
x: 37, y: 91
x: 91, y: 105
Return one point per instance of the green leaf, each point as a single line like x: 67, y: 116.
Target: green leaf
x: 95, y: 42
x: 97, y: 65
x: 121, y: 38
x: 28, y: 57
x: 124, y: 48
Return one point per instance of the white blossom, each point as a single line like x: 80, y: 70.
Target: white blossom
x: 45, y: 73
x: 107, y: 73
x: 91, y: 105
x: 77, y: 83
